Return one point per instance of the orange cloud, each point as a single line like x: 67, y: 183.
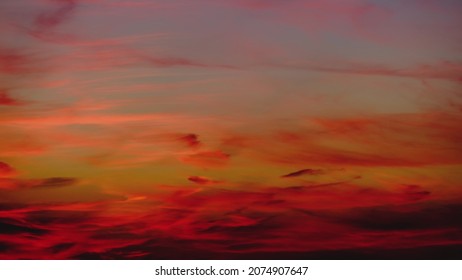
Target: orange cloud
x: 207, y: 159
x: 203, y: 180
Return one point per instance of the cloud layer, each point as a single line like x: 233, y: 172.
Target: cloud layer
x: 230, y: 129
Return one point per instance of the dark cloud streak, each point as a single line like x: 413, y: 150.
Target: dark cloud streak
x: 303, y: 172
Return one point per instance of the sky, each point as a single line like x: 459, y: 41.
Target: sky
x: 217, y: 129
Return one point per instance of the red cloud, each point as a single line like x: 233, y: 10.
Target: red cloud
x: 14, y: 62
x: 191, y: 140
x: 203, y: 180
x: 7, y: 100
x: 211, y: 224
x: 323, y: 217
x: 16, y: 184
x: 6, y: 170
x: 57, y: 15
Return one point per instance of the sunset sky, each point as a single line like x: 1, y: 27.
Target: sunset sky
x: 230, y: 129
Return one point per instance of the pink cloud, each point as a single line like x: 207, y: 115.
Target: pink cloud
x: 15, y: 62
x: 57, y: 15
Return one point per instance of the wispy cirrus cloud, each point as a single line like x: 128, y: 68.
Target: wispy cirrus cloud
x: 445, y: 70
x: 277, y: 215
x: 376, y: 136
x: 203, y: 180
x: 308, y: 129
x: 302, y: 172
x: 55, y: 16
x: 15, y: 61
x: 7, y: 100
